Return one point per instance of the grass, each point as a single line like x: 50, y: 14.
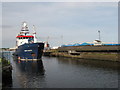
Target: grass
x: 0, y: 60
x: 109, y: 56
x: 4, y: 62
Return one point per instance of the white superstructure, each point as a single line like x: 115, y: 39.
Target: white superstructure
x: 24, y: 36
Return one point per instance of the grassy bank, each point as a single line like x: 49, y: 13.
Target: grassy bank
x: 4, y: 62
x: 109, y: 56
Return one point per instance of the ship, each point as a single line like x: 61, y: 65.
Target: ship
x: 27, y: 46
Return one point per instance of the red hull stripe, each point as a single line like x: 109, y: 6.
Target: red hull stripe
x: 24, y: 36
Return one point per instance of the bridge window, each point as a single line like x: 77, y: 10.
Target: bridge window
x: 30, y: 37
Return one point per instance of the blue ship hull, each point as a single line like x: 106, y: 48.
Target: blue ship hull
x: 30, y: 51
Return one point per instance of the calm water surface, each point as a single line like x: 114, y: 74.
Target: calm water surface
x: 54, y: 72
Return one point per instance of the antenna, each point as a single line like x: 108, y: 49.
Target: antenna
x: 24, y: 26
x: 34, y: 34
x: 34, y: 29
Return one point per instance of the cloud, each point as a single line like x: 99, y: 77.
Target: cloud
x: 6, y: 26
x: 67, y: 19
x: 60, y: 1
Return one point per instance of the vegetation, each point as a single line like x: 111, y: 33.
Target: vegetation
x: 4, y: 62
x: 0, y: 60
x: 6, y: 73
x: 109, y: 56
x: 4, y: 49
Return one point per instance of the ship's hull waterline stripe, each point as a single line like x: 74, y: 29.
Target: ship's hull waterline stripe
x: 29, y: 59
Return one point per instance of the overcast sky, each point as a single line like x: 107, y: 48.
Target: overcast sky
x: 62, y: 22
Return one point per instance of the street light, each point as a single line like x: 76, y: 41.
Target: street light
x: 99, y: 35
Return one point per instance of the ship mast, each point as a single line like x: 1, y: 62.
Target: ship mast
x: 34, y: 34
x: 24, y: 29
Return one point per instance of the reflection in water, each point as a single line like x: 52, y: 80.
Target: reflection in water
x: 31, y: 66
x: 29, y: 73
x: 64, y: 73
x: 80, y: 73
x: 6, y: 71
x: 6, y: 79
x: 90, y: 63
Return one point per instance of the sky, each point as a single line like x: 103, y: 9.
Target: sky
x: 61, y: 22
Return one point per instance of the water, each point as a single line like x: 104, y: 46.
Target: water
x: 53, y: 72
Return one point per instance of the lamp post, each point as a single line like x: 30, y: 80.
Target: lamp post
x: 99, y: 35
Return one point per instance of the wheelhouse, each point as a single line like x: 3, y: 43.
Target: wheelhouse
x: 25, y: 37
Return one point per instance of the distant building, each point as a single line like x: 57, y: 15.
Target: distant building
x: 46, y: 46
x: 56, y: 47
x: 12, y: 49
x: 97, y: 42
